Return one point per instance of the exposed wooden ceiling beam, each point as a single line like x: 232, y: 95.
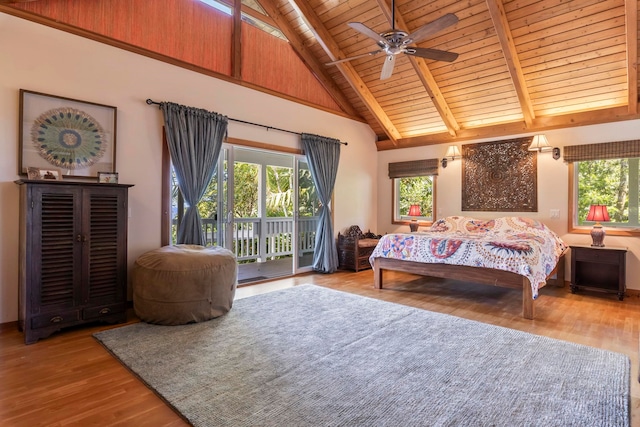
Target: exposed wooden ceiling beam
x: 318, y: 69
x: 236, y: 41
x: 631, y: 25
x: 334, y: 52
x: 423, y: 72
x: 542, y: 123
x: 499, y: 18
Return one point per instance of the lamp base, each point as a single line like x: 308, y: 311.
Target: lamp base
x: 597, y: 236
x: 413, y: 226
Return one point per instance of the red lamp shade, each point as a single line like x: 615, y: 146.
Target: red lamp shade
x: 598, y: 213
x: 414, y: 211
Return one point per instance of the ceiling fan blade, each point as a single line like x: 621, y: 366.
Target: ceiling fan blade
x: 438, y: 55
x: 354, y: 57
x: 431, y: 28
x: 387, y: 68
x: 360, y: 27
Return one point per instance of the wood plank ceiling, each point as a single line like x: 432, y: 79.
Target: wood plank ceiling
x: 524, y: 65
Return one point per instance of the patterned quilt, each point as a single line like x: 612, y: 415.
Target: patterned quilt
x: 517, y: 244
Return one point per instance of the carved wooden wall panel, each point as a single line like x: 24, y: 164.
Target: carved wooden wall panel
x: 499, y: 176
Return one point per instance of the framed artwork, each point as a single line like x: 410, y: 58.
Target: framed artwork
x: 78, y: 138
x: 50, y: 173
x: 108, y: 177
x: 499, y: 176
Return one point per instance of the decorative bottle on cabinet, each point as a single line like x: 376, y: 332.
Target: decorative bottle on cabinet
x: 73, y: 255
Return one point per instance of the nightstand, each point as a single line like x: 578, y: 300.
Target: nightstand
x: 599, y: 268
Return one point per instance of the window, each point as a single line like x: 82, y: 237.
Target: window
x: 605, y: 174
x: 613, y: 183
x: 208, y: 208
x: 413, y: 183
x: 409, y: 191
x: 255, y: 20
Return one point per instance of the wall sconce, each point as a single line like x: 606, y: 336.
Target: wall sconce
x: 452, y: 153
x: 539, y: 143
x: 414, y: 211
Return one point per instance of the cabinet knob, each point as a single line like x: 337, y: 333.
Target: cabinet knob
x: 56, y: 319
x: 105, y: 310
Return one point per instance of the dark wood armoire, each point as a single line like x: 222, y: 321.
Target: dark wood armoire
x: 73, y: 255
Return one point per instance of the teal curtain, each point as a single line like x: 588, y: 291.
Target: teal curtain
x: 323, y: 156
x: 194, y: 137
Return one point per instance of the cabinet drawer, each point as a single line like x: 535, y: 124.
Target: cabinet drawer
x: 597, y: 255
x: 55, y: 319
x: 103, y: 311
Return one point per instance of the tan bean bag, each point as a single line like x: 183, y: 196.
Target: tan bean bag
x: 180, y: 284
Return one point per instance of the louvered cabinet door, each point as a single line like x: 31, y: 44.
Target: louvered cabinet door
x: 73, y: 255
x: 54, y: 269
x: 105, y: 222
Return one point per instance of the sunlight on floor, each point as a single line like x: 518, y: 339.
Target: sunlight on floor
x: 252, y: 290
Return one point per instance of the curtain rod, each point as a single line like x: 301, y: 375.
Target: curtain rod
x: 150, y: 102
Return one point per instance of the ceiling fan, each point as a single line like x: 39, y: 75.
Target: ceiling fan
x: 395, y: 42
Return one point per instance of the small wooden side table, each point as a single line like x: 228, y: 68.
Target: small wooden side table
x: 599, y: 268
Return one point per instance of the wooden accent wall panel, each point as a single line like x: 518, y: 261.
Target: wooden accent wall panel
x: 186, y: 30
x: 270, y: 62
x: 195, y: 33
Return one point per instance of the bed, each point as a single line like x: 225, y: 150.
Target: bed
x: 511, y: 252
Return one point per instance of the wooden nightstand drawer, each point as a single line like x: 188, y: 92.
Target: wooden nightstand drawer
x: 597, y: 255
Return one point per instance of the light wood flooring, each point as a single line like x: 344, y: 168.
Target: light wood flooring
x: 71, y: 380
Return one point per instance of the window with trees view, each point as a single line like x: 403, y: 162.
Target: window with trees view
x: 612, y: 182
x: 417, y: 190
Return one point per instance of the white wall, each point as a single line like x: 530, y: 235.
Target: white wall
x: 553, y: 187
x: 38, y: 58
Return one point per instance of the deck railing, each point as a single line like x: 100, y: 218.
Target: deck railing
x: 250, y: 243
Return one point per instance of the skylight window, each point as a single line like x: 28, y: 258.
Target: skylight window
x: 251, y: 20
x: 219, y: 6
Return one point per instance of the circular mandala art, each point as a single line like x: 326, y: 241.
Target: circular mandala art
x: 68, y: 138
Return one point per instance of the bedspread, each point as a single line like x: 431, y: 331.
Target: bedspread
x: 520, y: 245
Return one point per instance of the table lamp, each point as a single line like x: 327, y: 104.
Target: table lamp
x: 598, y: 213
x: 414, y: 211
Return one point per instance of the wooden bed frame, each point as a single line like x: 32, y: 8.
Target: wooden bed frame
x: 488, y: 276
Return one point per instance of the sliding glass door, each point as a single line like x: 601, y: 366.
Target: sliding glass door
x: 261, y: 205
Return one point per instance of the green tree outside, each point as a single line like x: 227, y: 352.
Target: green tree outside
x: 279, y: 192
x: 604, y: 182
x: 416, y: 191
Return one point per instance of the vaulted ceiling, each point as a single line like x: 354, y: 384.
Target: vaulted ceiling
x: 523, y: 66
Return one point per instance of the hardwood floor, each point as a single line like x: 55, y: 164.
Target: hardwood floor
x: 71, y: 380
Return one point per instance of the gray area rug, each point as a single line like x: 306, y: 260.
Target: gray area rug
x: 311, y: 356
